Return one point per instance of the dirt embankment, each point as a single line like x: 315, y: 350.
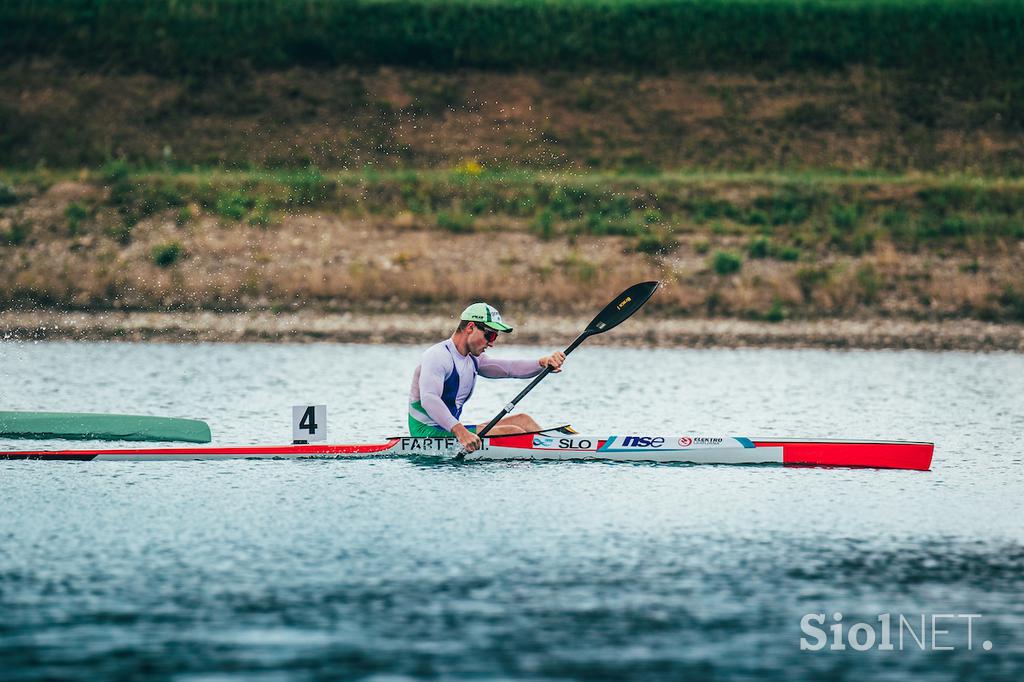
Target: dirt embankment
x: 53, y: 113
x: 67, y: 248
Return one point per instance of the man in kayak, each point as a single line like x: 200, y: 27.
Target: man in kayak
x: 445, y: 378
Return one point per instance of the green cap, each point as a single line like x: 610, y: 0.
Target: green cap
x: 486, y: 315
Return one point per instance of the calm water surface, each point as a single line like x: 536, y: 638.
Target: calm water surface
x: 400, y: 569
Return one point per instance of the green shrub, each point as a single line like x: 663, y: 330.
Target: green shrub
x: 122, y: 233
x: 166, y: 255
x: 16, y: 235
x: 726, y: 262
x: 75, y: 214
x: 184, y: 216
x: 788, y: 253
x: 7, y: 195
x: 869, y: 282
x: 1012, y: 299
x: 701, y: 246
x: 845, y: 216
x: 114, y: 171
x: 234, y: 205
x: 776, y: 313
x: 810, y: 278
x: 260, y: 215
x: 544, y: 225
x: 656, y: 243
x: 652, y: 216
x: 309, y: 187
x: 759, y: 247
x: 755, y: 217
x: 457, y: 223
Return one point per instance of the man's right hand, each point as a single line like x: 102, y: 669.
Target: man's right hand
x: 469, y: 441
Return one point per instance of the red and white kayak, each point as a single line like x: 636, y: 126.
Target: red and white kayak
x: 554, y: 445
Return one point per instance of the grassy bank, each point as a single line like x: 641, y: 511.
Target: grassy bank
x: 760, y: 246
x: 983, y: 37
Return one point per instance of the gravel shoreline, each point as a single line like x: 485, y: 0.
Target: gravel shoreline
x: 963, y: 335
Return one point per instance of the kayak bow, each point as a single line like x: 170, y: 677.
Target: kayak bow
x: 91, y: 426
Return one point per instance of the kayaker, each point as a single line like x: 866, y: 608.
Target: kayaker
x: 445, y: 378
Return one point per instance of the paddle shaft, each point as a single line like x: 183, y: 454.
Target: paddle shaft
x: 612, y: 315
x: 522, y: 394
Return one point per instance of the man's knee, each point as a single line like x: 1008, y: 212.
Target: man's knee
x: 525, y: 421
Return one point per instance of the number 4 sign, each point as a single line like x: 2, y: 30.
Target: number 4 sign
x: 309, y: 423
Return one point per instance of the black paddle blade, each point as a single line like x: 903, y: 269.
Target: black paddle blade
x: 621, y: 307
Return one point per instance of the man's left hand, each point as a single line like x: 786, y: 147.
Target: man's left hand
x: 554, y: 361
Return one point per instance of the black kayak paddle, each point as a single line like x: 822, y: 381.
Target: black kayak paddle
x: 614, y: 314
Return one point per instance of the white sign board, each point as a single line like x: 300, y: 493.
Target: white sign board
x: 309, y: 423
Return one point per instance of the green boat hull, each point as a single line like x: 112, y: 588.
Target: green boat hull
x: 82, y: 426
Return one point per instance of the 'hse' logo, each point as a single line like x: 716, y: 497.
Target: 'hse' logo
x: 642, y: 442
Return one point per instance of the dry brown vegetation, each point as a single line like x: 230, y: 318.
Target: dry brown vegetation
x: 51, y: 113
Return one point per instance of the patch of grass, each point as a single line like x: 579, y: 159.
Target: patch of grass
x: 309, y: 187
x: 754, y: 217
x: 971, y: 268
x: 861, y: 240
x: 1012, y: 300
x: 811, y: 115
x: 457, y: 223
x: 544, y: 225
x: 869, y: 281
x: 7, y: 195
x: 726, y: 263
x: 701, y: 246
x: 790, y: 206
x: 114, y: 171
x: 844, y: 216
x: 759, y: 247
x: 167, y: 254
x: 16, y: 235
x: 260, y: 215
x: 234, y: 205
x: 122, y: 233
x: 788, y: 253
x: 705, y: 209
x: 777, y: 313
x: 655, y: 243
x: 599, y: 225
x: 184, y: 216
x: 810, y: 278
x: 75, y: 213
x: 581, y: 269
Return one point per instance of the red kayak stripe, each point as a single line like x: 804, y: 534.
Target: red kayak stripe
x: 882, y: 455
x: 235, y: 451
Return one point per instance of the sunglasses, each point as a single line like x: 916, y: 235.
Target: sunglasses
x: 489, y: 334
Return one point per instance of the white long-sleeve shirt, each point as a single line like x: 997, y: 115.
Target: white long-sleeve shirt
x: 445, y: 378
